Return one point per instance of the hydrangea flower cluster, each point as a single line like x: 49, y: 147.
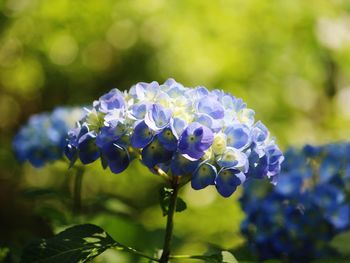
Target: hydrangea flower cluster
x: 307, y: 208
x: 43, y: 138
x: 210, y: 136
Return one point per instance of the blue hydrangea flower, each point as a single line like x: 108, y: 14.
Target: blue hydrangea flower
x: 209, y: 136
x: 309, y: 205
x: 195, y: 140
x: 43, y: 138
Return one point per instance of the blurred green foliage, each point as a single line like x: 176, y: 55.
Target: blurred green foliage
x: 289, y: 60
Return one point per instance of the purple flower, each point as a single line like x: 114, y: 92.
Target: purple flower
x: 182, y: 166
x: 238, y: 136
x: 117, y: 157
x: 139, y: 110
x: 142, y: 135
x: 211, y: 107
x: 204, y: 175
x: 157, y: 117
x: 112, y: 100
x: 210, y: 135
x: 195, y: 139
x: 155, y: 153
x: 167, y: 139
x: 87, y: 148
x: 227, y: 181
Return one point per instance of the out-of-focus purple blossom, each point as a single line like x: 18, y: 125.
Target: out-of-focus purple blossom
x: 296, y: 219
x: 43, y: 138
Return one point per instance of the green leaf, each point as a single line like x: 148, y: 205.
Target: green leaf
x: 227, y: 257
x: 76, y: 244
x: 341, y: 243
x: 164, y: 200
x: 180, y: 205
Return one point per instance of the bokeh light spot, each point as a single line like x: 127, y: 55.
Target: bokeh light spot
x: 10, y: 111
x: 10, y: 52
x: 122, y: 35
x: 98, y: 56
x: 342, y: 100
x: 63, y: 50
x: 300, y: 94
x: 26, y: 77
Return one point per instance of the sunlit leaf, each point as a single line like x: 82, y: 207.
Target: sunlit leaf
x: 341, y: 243
x: 76, y: 244
x: 227, y: 257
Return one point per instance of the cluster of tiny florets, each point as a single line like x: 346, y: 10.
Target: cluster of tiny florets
x: 307, y: 208
x: 43, y: 138
x: 210, y: 135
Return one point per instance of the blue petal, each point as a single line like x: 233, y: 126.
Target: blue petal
x: 329, y: 169
x: 232, y: 103
x: 259, y: 133
x: 274, y: 158
x: 347, y: 171
x: 237, y: 136
x: 326, y: 195
x: 88, y: 150
x: 198, y: 93
x: 177, y: 126
x: 139, y: 110
x: 311, y: 151
x: 211, y: 107
x: 110, y: 134
x: 157, y: 117
x: 207, y: 120
x: 257, y: 166
x: 234, y: 158
x: 75, y: 134
x: 155, y: 153
x: 72, y: 153
x: 37, y: 158
x: 195, y: 140
x: 176, y: 89
x: 204, y: 175
x: 182, y: 166
x: 117, y: 157
x: 142, y: 135
x: 289, y: 184
x: 227, y: 181
x: 112, y: 100
x: 167, y: 138
x: 339, y: 216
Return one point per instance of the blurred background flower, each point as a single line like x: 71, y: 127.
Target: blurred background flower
x: 297, y: 219
x: 44, y: 137
x: 289, y: 60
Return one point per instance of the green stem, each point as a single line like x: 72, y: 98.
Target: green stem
x: 135, y: 252
x: 162, y: 174
x: 77, y: 189
x: 170, y: 223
